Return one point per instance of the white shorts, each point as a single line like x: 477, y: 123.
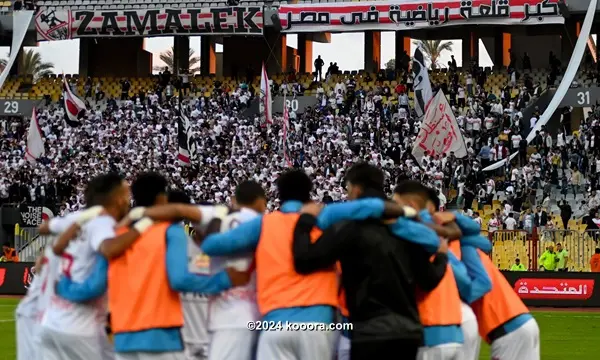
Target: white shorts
x: 523, y: 343
x: 296, y: 345
x: 343, y: 350
x: 175, y: 355
x: 195, y: 351
x: 440, y: 352
x: 470, y: 329
x: 26, y: 338
x: 56, y: 345
x: 232, y: 344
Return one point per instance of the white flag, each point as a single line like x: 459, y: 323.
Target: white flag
x: 35, y: 141
x: 265, y: 98
x: 439, y: 132
x: 422, y: 86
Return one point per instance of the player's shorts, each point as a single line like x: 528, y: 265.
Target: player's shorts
x: 232, y: 344
x: 441, y: 352
x: 523, y: 343
x: 286, y: 344
x: 195, y: 351
x: 56, y: 345
x: 26, y: 338
x: 343, y: 350
x: 470, y: 329
x: 175, y: 355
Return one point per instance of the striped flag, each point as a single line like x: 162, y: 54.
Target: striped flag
x: 422, y: 86
x: 35, y: 141
x: 286, y: 124
x: 187, y: 145
x: 74, y: 106
x: 266, y: 112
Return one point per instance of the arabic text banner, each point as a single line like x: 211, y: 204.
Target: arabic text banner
x: 67, y: 24
x: 555, y: 289
x: 415, y: 14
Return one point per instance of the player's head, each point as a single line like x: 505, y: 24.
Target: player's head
x: 362, y: 177
x: 110, y: 191
x: 149, y: 189
x: 178, y: 197
x: 251, y: 195
x: 416, y: 195
x: 294, y: 185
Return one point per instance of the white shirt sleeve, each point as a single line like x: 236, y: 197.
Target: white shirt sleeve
x: 100, y: 229
x: 59, y: 225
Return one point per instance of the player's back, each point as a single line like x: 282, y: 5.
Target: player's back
x: 236, y: 307
x: 77, y: 262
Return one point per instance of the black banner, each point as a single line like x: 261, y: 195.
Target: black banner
x: 67, y: 24
x: 31, y: 216
x: 556, y: 289
x: 15, y: 278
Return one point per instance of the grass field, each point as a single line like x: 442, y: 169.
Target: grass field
x: 564, y: 334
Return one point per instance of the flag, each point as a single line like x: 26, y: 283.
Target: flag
x: 187, y: 145
x: 74, y: 106
x: 265, y: 98
x: 35, y: 141
x: 286, y: 124
x: 422, y: 86
x: 439, y: 132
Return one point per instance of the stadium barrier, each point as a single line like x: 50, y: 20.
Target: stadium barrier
x: 576, y: 244
x: 556, y: 289
x: 510, y: 244
x: 15, y: 278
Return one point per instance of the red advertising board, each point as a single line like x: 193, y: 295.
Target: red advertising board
x: 553, y: 288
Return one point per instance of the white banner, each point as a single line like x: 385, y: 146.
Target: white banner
x: 21, y: 20
x: 439, y: 132
x: 395, y: 15
x: 566, y: 81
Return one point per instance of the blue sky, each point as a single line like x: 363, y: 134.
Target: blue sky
x: 342, y: 49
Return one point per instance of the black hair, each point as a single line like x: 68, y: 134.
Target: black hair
x: 101, y: 187
x: 416, y: 188
x: 146, y: 188
x: 366, y: 176
x: 179, y: 197
x: 597, y: 251
x: 247, y: 192
x: 294, y: 185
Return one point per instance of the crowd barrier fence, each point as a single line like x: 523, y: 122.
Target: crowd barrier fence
x: 528, y: 247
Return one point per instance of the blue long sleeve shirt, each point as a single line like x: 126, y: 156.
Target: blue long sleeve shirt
x: 180, y: 279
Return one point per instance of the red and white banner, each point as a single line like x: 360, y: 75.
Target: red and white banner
x: 439, y: 132
x: 547, y: 289
x: 415, y: 14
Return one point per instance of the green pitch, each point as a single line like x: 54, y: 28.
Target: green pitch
x: 565, y: 335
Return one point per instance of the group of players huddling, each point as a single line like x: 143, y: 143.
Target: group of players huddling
x: 413, y: 282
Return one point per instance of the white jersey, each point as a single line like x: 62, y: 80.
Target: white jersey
x: 77, y: 262
x: 195, y: 305
x: 234, y: 308
x: 39, y: 293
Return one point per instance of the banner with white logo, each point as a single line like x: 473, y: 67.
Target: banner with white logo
x: 70, y: 24
x: 397, y: 15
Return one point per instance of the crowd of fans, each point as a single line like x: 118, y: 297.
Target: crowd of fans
x: 139, y: 132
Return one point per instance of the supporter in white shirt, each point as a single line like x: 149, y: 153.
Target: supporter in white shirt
x: 510, y: 222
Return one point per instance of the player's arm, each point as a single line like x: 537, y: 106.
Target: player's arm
x: 315, y: 251
x: 44, y: 228
x: 359, y: 210
x: 461, y: 276
x: 176, y: 212
x: 417, y: 233
x: 180, y: 279
x: 92, y: 287
x: 116, y: 246
x: 65, y: 238
x: 242, y: 239
x: 480, y: 283
x: 471, y: 233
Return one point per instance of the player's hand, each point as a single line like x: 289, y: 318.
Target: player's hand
x: 311, y: 208
x: 238, y: 278
x: 444, y: 217
x: 443, y: 249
